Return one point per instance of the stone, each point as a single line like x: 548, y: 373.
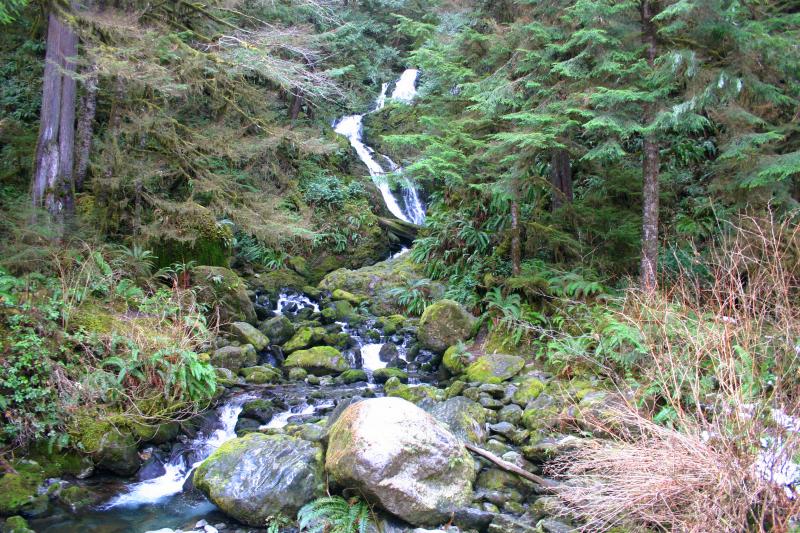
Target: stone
x: 503, y: 523
x: 304, y: 338
x: 319, y: 360
x: 248, y: 334
x: 258, y: 476
x: 234, y: 358
x: 354, y: 375
x: 297, y: 374
x: 454, y: 360
x: 111, y: 447
x: 278, y: 329
x: 541, y: 413
x: 77, y: 498
x: 444, y: 324
x: 349, y: 297
x: 223, y: 292
x: 494, y: 368
x: 401, y: 458
x: 259, y: 375
x: 19, y: 489
x: 465, y: 418
x: 528, y: 390
x: 382, y: 375
x: 417, y: 394
x: 391, y: 324
x: 388, y: 352
x: 511, y: 413
x: 455, y: 389
x: 261, y: 410
x: 16, y: 524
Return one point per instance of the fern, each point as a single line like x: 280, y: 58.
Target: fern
x: 334, y: 514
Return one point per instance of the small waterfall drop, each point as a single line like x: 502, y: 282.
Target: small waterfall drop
x: 406, y: 206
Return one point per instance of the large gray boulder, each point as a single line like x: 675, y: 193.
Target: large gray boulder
x: 444, y: 324
x: 258, y: 476
x: 401, y: 458
x: 465, y: 418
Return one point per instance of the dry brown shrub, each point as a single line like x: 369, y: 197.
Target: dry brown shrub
x: 721, y: 378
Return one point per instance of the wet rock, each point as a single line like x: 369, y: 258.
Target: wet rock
x: 505, y: 429
x: 528, y: 390
x: 19, y: 489
x: 16, y: 524
x: 542, y: 413
x: 472, y: 518
x: 511, y: 486
x: 304, y: 338
x: 245, y: 333
x: 494, y: 390
x: 417, y: 395
x: 454, y: 360
x: 261, y: 410
x: 111, y: 447
x: 455, y: 389
x: 548, y: 525
x: 320, y: 360
x: 549, y: 447
x: 465, y: 418
x: 235, y: 358
x: 391, y: 324
x: 354, y: 375
x: 388, y: 352
x: 76, y: 498
x: 444, y: 324
x: 489, y: 402
x: 152, y: 468
x: 401, y: 458
x: 297, y: 374
x: 382, y: 375
x: 258, y: 476
x: 259, y: 375
x: 246, y: 425
x: 494, y: 368
x: 503, y: 523
x: 223, y: 291
x: 397, y: 363
x: 511, y: 413
x: 278, y: 329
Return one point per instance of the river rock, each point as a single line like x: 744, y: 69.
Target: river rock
x: 224, y: 292
x: 444, y: 324
x: 18, y: 489
x: 259, y: 375
x: 388, y: 352
x: 258, y: 476
x: 494, y: 368
x: 235, y: 358
x: 278, y: 329
x: 320, y: 361
x: 304, y: 338
x: 248, y: 334
x: 465, y: 418
x: 111, y: 447
x: 382, y: 375
x: 400, y: 457
x: 261, y: 410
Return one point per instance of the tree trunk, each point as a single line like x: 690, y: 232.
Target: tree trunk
x: 297, y: 102
x: 53, y: 184
x: 88, y: 108
x: 561, y: 178
x: 650, y: 163
x: 516, y: 240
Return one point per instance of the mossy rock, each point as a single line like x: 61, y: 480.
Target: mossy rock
x: 16, y: 524
x: 354, y: 375
x: 57, y: 463
x: 444, y: 324
x: 225, y: 377
x: 494, y: 368
x: 320, y: 360
x: 19, y: 489
x: 343, y: 310
x: 528, y: 390
x: 349, y: 297
x: 77, y: 498
x: 247, y: 334
x: 195, y: 237
x: 260, y: 375
x: 454, y: 360
x: 394, y: 388
x: 337, y: 340
x: 391, y: 324
x: 260, y: 409
x: 224, y: 292
x: 501, y: 341
x: 465, y: 418
x: 274, y: 281
x: 234, y: 358
x: 305, y: 337
x: 278, y: 329
x: 112, y: 447
x: 297, y: 374
x: 382, y: 375
x: 156, y: 434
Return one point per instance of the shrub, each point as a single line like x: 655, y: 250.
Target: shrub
x: 334, y: 514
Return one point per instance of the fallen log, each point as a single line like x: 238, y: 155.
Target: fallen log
x: 404, y: 231
x: 505, y: 465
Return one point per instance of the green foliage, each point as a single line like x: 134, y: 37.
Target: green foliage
x: 334, y: 514
x: 253, y: 251
x: 414, y: 296
x: 328, y: 191
x: 9, y: 9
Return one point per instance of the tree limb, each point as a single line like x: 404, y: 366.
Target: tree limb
x: 547, y: 484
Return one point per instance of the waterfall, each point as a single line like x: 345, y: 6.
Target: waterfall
x: 407, y: 205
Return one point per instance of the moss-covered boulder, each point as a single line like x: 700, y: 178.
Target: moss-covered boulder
x: 305, y: 337
x: 18, y: 489
x: 155, y: 433
x: 349, y: 297
x: 401, y: 458
x: 193, y: 235
x: 111, y: 446
x: 354, y: 375
x: 259, y: 375
x: 416, y: 394
x: 246, y: 333
x: 260, y: 476
x: 494, y: 368
x: 465, y: 418
x: 382, y: 375
x: 444, y: 324
x: 16, y: 524
x: 261, y: 410
x: 376, y: 282
x: 224, y: 293
x: 454, y: 360
x: 58, y: 462
x: 391, y: 324
x: 278, y: 329
x: 76, y: 498
x: 528, y: 390
x: 234, y: 358
x: 274, y: 281
x: 320, y: 361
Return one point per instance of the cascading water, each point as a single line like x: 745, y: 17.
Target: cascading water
x: 179, y: 468
x: 407, y: 206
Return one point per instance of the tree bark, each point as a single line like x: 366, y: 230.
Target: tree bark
x: 650, y: 163
x: 53, y: 184
x: 88, y: 109
x: 516, y: 240
x: 561, y: 178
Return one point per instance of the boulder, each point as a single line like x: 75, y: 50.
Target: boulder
x: 224, y: 292
x: 112, y: 447
x: 261, y: 410
x: 349, y: 297
x: 528, y: 390
x: 417, y: 394
x: 258, y: 476
x: 248, y: 334
x: 304, y: 338
x: 388, y: 352
x: 494, y: 368
x: 444, y: 324
x: 278, y: 329
x: 453, y: 360
x: 259, y: 375
x: 19, y: 489
x: 465, y: 418
x: 382, y: 375
x: 401, y: 458
x: 234, y: 358
x: 320, y: 361
x: 354, y: 375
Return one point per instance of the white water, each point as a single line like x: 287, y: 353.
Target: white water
x: 177, y: 471
x: 300, y: 300
x: 352, y: 127
x: 370, y: 357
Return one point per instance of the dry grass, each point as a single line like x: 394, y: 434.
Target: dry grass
x: 721, y: 374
